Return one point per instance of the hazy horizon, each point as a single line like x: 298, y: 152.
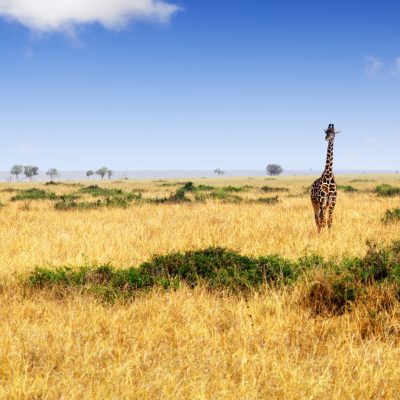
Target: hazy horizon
x: 79, y: 175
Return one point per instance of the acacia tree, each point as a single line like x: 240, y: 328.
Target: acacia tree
x: 52, y: 172
x: 17, y: 170
x: 274, y: 169
x: 30, y: 171
x: 102, y: 172
x: 89, y: 173
x: 219, y: 171
x: 109, y: 173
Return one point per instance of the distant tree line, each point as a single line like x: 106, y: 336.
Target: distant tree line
x: 30, y: 171
x: 102, y: 172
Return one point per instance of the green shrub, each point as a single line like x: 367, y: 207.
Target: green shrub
x: 221, y: 194
x: 347, y: 188
x: 97, y: 191
x: 336, y: 287
x: 234, y: 189
x: 34, y: 194
x: 216, y: 268
x: 268, y: 189
x: 67, y: 205
x: 70, y: 203
x: 392, y: 215
x: 386, y: 190
x: 204, y: 188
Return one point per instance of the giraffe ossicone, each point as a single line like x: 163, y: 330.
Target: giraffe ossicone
x: 323, y: 190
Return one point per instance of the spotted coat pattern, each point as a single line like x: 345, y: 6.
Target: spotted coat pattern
x: 323, y: 190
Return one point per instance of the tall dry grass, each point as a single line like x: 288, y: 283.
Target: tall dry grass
x: 191, y: 343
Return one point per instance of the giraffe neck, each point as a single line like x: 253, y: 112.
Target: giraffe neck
x: 329, y: 159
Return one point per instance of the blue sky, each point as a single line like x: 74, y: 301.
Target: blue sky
x: 200, y: 84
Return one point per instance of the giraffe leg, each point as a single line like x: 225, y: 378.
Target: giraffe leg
x: 316, y: 215
x: 330, y: 215
x: 321, y: 216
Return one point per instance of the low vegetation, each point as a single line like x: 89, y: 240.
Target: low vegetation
x: 97, y: 191
x: 268, y: 189
x: 339, y: 284
x: 386, y: 190
x: 392, y: 215
x: 34, y: 194
x: 347, y: 188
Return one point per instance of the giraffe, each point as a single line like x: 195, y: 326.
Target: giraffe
x: 323, y: 190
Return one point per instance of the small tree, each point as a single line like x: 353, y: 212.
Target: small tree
x: 89, y: 173
x: 30, y: 171
x: 52, y: 172
x: 109, y: 173
x: 274, y: 169
x: 102, y: 171
x: 219, y: 171
x: 17, y: 170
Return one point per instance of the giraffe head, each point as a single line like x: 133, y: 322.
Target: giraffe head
x: 330, y: 132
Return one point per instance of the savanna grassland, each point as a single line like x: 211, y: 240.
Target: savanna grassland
x: 98, y: 335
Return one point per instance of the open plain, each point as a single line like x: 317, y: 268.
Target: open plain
x: 192, y: 343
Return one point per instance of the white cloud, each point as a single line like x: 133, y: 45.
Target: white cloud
x: 373, y: 66
x: 65, y: 15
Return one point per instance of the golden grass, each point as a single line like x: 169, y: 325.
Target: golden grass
x: 191, y: 344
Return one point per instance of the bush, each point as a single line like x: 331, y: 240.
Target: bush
x: 386, y: 190
x: 97, y: 191
x: 69, y: 203
x: 392, y: 215
x: 268, y: 189
x: 335, y: 286
x: 221, y: 194
x: 347, y: 188
x: 216, y: 268
x: 204, y: 188
x: 34, y: 194
x: 234, y: 189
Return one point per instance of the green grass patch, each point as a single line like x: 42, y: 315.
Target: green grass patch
x: 391, y: 216
x: 330, y: 286
x: 97, y: 191
x: 268, y: 189
x: 347, y: 188
x: 204, y: 188
x: 70, y: 203
x: 34, y: 194
x: 224, y: 196
x: 386, y: 190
